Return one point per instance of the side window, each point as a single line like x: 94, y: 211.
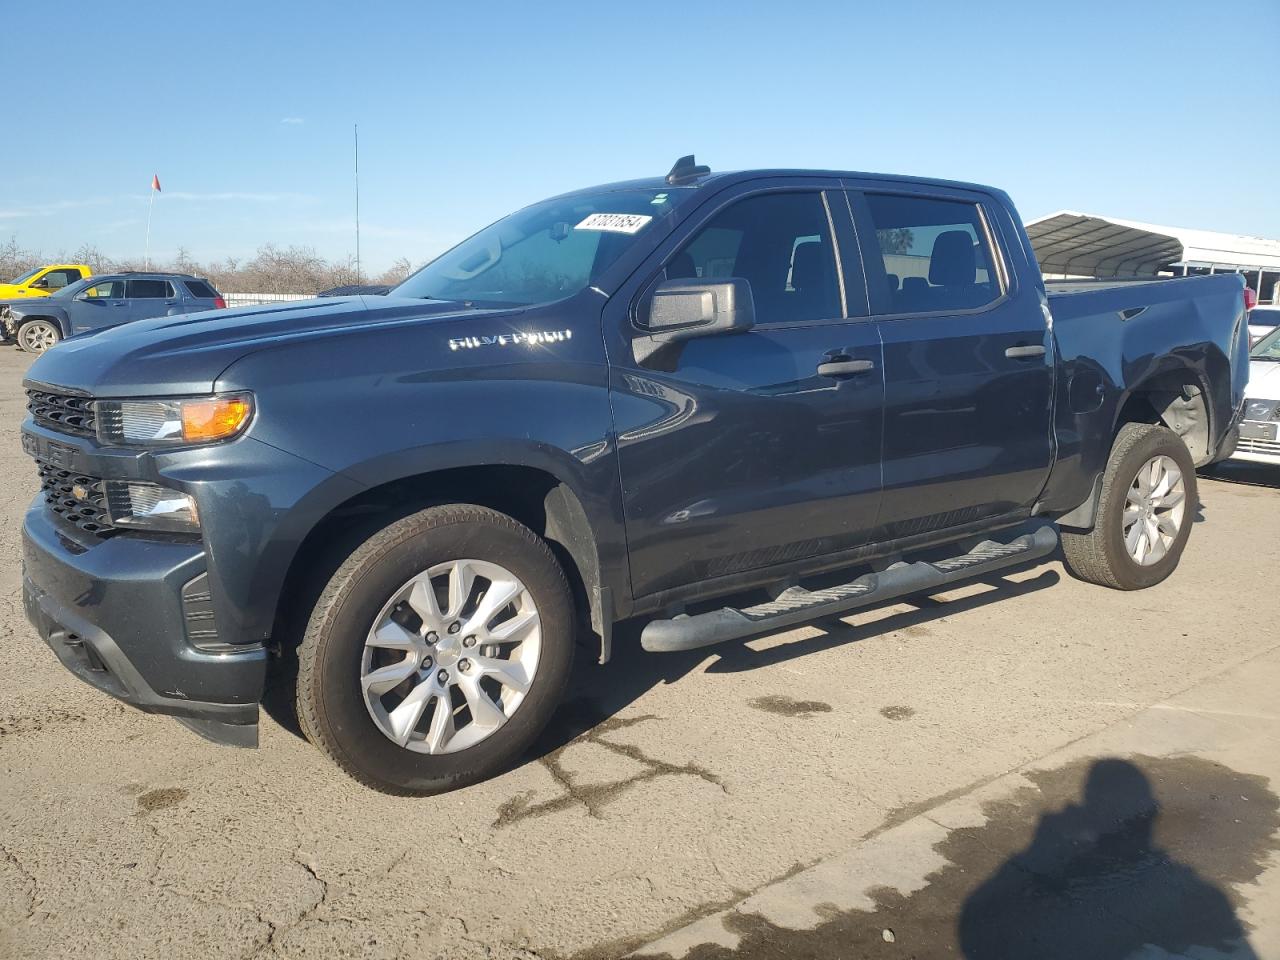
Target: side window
x: 935, y: 252
x: 200, y: 290
x: 781, y: 244
x: 57, y: 279
x: 106, y: 290
x: 150, y: 290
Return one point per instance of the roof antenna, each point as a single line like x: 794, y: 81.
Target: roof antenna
x: 686, y: 168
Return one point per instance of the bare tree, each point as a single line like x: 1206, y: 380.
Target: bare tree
x: 272, y: 269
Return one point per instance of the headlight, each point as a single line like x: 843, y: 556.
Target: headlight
x: 148, y: 506
x: 166, y: 422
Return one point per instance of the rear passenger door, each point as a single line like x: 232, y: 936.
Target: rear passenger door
x: 968, y: 364
x: 150, y: 298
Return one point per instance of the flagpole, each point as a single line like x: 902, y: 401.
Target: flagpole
x: 355, y: 130
x: 150, y: 204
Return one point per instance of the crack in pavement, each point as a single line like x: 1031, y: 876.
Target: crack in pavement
x: 33, y: 885
x: 593, y: 798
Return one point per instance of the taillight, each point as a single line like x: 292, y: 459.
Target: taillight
x: 219, y: 303
x: 1250, y: 298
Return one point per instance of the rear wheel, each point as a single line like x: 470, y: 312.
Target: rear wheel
x: 1145, y: 512
x: 37, y: 336
x: 437, y: 652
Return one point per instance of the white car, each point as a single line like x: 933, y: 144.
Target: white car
x: 1260, y: 429
x: 1262, y: 320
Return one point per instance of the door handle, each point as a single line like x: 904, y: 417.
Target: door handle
x: 1025, y: 352
x: 844, y: 367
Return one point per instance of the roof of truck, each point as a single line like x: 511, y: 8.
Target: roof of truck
x: 721, y: 178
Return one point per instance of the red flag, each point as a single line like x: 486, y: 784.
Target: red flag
x: 155, y: 183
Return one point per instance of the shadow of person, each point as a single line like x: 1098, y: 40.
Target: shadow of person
x: 1093, y: 884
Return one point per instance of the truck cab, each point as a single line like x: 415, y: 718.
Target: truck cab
x: 44, y: 281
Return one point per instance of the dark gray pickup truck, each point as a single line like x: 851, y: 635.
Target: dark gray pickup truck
x: 721, y: 404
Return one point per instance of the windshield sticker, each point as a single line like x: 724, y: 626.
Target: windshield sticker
x: 615, y: 222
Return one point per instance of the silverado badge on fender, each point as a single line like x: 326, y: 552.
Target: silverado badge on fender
x: 507, y: 339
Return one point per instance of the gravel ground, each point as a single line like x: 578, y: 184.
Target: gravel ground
x: 672, y: 787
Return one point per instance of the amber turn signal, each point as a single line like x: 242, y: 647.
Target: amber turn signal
x: 214, y: 419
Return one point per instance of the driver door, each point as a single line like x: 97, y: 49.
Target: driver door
x: 102, y: 305
x: 736, y: 453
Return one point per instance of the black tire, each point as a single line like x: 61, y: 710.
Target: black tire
x: 1100, y: 555
x: 50, y: 335
x: 331, y: 707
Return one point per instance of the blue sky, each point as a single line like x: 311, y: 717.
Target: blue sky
x: 1162, y: 112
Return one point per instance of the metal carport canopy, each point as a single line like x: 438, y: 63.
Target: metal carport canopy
x: 1083, y: 245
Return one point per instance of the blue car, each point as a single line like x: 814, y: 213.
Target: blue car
x: 105, y: 301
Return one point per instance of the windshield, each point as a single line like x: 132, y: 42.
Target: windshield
x: 26, y: 276
x: 545, y: 252
x: 1268, y: 348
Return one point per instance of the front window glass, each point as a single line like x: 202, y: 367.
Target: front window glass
x: 781, y: 244
x: 545, y: 252
x: 106, y: 290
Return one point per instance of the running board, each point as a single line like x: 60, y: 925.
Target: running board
x: 796, y: 605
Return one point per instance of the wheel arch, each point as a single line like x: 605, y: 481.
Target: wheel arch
x: 535, y: 496
x: 1176, y: 395
x: 50, y: 318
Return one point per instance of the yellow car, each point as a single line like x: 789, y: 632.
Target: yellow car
x: 43, y: 281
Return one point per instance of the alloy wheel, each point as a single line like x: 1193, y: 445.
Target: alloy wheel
x: 451, y: 656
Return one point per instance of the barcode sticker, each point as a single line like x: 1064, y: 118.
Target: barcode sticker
x: 615, y: 222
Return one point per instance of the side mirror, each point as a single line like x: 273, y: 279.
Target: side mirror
x: 40, y: 284
x: 680, y: 309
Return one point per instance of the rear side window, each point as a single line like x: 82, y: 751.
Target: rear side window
x: 781, y: 244
x: 200, y: 290
x: 935, y: 252
x: 150, y: 290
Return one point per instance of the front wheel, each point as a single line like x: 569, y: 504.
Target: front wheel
x: 1145, y: 512
x: 437, y: 652
x: 37, y: 336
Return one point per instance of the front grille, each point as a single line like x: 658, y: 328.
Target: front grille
x: 64, y: 412
x: 76, y: 498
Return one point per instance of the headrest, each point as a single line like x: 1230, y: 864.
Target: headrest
x: 806, y: 266
x: 954, y: 262
x: 914, y: 285
x: 893, y: 281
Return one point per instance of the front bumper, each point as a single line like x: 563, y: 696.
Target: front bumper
x: 114, y: 614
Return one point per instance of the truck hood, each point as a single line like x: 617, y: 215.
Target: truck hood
x: 185, y: 354
x: 1264, y: 380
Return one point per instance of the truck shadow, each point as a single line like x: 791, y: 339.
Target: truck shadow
x: 597, y: 693
x: 1243, y: 473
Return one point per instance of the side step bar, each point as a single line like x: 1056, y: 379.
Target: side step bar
x: 796, y: 605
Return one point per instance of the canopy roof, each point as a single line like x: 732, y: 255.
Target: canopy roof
x: 1084, y: 244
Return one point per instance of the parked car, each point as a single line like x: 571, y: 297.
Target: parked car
x: 1260, y: 431
x: 1262, y: 320
x: 701, y: 400
x: 106, y: 301
x: 44, y: 281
